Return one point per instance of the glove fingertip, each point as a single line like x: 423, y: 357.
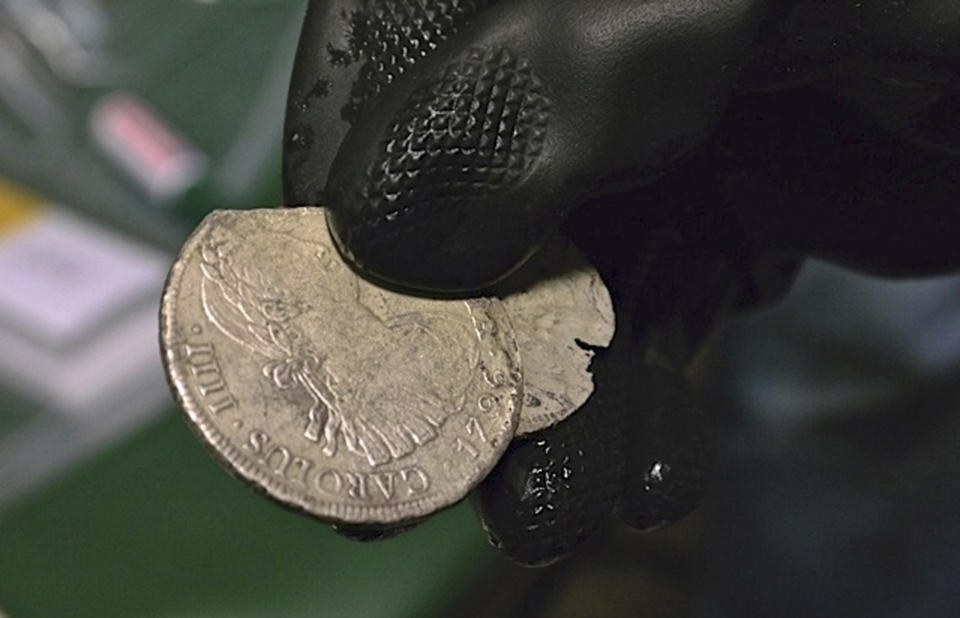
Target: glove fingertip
x: 666, y: 472
x: 429, y: 190
x: 553, y: 490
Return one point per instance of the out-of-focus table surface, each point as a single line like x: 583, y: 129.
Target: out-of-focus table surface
x: 153, y: 527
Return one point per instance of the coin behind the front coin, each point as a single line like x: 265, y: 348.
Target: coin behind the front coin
x: 352, y: 403
x: 561, y: 311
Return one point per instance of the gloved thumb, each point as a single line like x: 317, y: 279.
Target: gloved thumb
x: 453, y: 174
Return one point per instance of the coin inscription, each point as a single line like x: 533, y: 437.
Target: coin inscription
x: 350, y: 402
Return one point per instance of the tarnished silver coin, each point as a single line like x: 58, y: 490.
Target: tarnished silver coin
x: 347, y: 401
x: 560, y: 309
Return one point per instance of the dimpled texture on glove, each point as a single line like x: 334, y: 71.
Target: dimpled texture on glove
x: 555, y: 488
x: 389, y: 36
x: 469, y: 133
x: 349, y: 51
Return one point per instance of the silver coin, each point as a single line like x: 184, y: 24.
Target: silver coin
x: 334, y: 396
x: 560, y: 310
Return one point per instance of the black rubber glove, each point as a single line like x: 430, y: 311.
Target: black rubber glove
x: 521, y: 111
x: 448, y: 137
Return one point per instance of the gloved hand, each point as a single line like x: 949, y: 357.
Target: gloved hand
x: 694, y: 150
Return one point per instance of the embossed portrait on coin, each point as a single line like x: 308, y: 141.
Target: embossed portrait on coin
x: 383, y: 376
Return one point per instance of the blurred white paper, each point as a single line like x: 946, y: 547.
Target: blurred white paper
x: 78, y: 306
x: 78, y: 335
x: 64, y: 277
